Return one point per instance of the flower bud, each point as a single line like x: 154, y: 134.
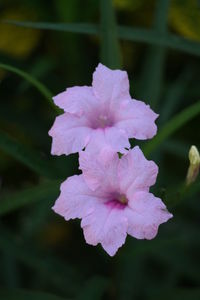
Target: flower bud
x: 194, y: 166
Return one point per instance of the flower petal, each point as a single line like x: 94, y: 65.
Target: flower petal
x: 145, y: 213
x: 76, y: 200
x: 117, y: 139
x: 109, y: 139
x: 110, y: 84
x: 70, y: 134
x: 136, y: 119
x: 106, y: 226
x: 99, y: 162
x: 136, y: 172
x: 76, y: 100
x: 100, y: 170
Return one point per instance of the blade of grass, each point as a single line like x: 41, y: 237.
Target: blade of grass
x: 152, y: 75
x: 176, y: 147
x: 28, y: 157
x: 13, y: 201
x: 172, y: 126
x: 154, y: 63
x: 161, y: 16
x: 36, y: 218
x: 148, y: 36
x: 18, y: 294
x: 33, y: 81
x: 110, y: 49
x: 38, y: 69
x: 84, y: 28
x: 70, y: 11
x: 174, y: 94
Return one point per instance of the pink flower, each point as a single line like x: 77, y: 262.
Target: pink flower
x: 112, y: 198
x: 104, y: 111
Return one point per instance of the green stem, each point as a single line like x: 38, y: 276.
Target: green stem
x: 33, y: 81
x: 110, y: 48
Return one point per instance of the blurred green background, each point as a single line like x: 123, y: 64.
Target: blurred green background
x: 158, y: 43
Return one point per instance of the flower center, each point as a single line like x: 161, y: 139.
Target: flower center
x: 101, y: 119
x: 122, y: 199
x: 119, y: 202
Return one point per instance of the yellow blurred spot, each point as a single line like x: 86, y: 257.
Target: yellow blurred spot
x: 17, y: 41
x: 184, y: 16
x: 128, y: 4
x: 54, y: 233
x: 123, y: 199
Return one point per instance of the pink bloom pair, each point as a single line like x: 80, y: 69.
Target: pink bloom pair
x: 111, y: 196
x: 102, y: 114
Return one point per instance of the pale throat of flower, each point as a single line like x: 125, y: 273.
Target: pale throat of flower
x: 103, y: 120
x: 122, y: 199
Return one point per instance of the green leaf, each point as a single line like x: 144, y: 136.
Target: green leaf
x: 33, y: 81
x: 18, y: 294
x: 110, y: 49
x: 40, y: 67
x: 152, y: 71
x: 177, y: 147
x: 84, y: 28
x: 28, y: 157
x: 154, y: 63
x: 161, y: 15
x: 13, y: 201
x: 172, y: 126
x: 37, y: 217
x: 148, y: 36
x: 175, y: 93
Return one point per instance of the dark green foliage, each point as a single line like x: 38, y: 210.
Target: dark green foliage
x: 24, y: 295
x: 41, y: 255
